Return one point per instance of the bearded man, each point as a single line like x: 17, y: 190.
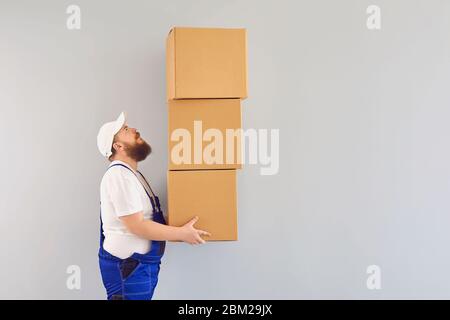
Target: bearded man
x: 133, y: 229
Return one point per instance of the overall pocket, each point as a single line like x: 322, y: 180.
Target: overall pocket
x: 128, y: 267
x: 138, y: 285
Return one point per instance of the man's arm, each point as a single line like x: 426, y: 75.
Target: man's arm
x: 152, y: 230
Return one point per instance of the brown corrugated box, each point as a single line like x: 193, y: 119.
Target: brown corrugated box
x: 206, y: 63
x: 210, y: 195
x: 197, y: 116
x: 206, y: 74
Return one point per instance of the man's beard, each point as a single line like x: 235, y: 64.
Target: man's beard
x: 139, y: 151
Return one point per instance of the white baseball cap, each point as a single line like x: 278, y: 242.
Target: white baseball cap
x: 106, y: 134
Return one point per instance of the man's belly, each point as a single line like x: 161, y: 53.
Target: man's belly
x: 123, y: 246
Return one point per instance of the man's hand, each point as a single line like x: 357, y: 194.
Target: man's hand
x: 191, y: 235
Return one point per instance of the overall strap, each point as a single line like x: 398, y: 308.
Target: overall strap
x: 148, y: 184
x: 158, y: 205
x: 152, y: 201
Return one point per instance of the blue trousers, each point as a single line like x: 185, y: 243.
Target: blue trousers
x: 129, y: 279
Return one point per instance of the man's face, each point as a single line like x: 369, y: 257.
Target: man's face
x: 130, y: 142
x: 127, y: 135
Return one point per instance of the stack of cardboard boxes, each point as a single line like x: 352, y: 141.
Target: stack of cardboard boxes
x: 206, y: 71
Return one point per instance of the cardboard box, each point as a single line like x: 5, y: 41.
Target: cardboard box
x: 210, y: 195
x: 204, y: 134
x: 206, y: 63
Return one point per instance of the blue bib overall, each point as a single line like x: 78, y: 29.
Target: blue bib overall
x: 135, y: 277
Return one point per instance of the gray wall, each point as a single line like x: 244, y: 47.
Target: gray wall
x: 364, y: 155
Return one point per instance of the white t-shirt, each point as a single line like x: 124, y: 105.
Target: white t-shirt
x: 122, y: 193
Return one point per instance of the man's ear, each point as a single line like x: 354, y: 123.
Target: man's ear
x: 117, y: 146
